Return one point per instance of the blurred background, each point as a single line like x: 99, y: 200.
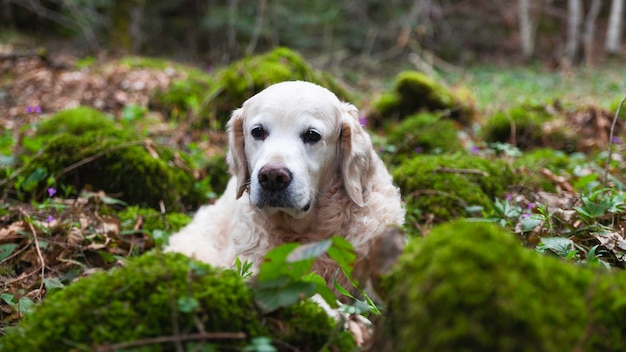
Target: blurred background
x: 364, y: 34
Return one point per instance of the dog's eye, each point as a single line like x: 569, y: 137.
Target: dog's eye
x: 311, y: 136
x: 258, y: 133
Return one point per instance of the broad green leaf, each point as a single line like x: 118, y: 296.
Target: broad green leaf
x: 270, y: 299
x: 34, y: 178
x: 559, y: 245
x: 322, y: 288
x: 7, y: 298
x: 343, y: 253
x: 6, y: 250
x: 530, y: 223
x: 309, y: 251
x: 25, y: 304
x: 52, y: 284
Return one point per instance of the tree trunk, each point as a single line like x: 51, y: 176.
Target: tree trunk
x: 526, y: 29
x: 590, y: 26
x: 614, y: 31
x: 574, y: 22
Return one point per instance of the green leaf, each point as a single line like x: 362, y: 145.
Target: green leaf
x: 34, y: 178
x: 270, y: 299
x: 52, y: 284
x: 6, y: 250
x: 260, y: 344
x: 7, y: 298
x: 531, y: 222
x: 322, y: 289
x: 309, y: 251
x: 559, y: 245
x: 187, y: 304
x: 275, y: 265
x: 25, y: 304
x: 343, y: 253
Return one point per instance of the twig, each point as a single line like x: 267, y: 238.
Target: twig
x: 166, y: 339
x: 39, y: 254
x: 608, y: 157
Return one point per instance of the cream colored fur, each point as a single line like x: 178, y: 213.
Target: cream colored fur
x: 339, y: 186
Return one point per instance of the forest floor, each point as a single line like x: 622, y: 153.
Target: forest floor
x: 43, y: 88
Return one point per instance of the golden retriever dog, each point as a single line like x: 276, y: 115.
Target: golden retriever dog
x: 303, y: 169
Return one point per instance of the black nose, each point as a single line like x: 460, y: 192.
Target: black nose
x: 274, y: 178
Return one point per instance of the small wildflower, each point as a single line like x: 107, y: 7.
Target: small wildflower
x: 525, y: 216
x: 37, y: 109
x: 474, y: 150
x: 362, y: 121
x: 419, y: 150
x: 50, y: 218
x: 33, y: 109
x: 51, y: 192
x: 531, y: 206
x: 509, y: 197
x: 29, y: 109
x: 617, y: 140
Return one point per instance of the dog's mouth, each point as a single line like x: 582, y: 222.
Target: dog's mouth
x: 281, y: 201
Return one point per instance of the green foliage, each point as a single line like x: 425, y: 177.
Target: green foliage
x: 248, y: 76
x: 166, y: 294
x: 75, y: 121
x: 473, y: 287
x: 414, y: 92
x: 104, y: 160
x: 158, y: 226
x: 423, y: 133
x: 528, y: 126
x: 446, y: 185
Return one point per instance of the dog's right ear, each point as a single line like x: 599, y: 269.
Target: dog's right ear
x: 236, y: 157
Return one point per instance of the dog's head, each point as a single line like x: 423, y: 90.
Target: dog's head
x: 290, y: 141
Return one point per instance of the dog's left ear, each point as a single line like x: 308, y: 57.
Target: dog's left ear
x: 236, y: 157
x: 355, y: 154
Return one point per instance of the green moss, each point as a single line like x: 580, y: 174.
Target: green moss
x: 424, y: 133
x: 529, y: 126
x: 531, y: 163
x: 157, y: 294
x: 75, y: 121
x: 121, y: 166
x: 152, y: 219
x: 445, y: 185
x: 248, y: 76
x: 473, y: 287
x: 414, y: 92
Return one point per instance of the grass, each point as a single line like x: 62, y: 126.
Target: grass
x: 496, y: 88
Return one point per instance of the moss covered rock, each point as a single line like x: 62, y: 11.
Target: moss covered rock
x: 529, y: 126
x: 415, y: 92
x: 165, y: 295
x: 444, y: 186
x: 111, y: 159
x: 427, y: 133
x: 473, y: 287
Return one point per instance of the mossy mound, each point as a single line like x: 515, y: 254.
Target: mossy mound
x: 113, y: 160
x: 529, y: 126
x: 445, y: 185
x: 164, y: 295
x: 248, y: 76
x: 415, y: 92
x: 75, y: 121
x: 426, y: 133
x: 473, y: 287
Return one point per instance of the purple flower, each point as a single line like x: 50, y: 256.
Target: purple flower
x: 419, y: 150
x: 525, y: 216
x: 531, y: 206
x: 509, y: 197
x: 617, y: 140
x: 33, y: 109
x: 50, y: 218
x: 51, y: 192
x: 362, y: 121
x: 474, y: 150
